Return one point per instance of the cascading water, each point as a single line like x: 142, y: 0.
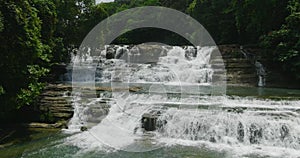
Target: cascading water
x: 261, y: 73
x: 171, y: 85
x: 177, y: 65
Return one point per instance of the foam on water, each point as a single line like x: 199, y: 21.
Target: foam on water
x: 212, y: 128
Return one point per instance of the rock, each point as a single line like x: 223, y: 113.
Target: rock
x: 255, y: 134
x: 284, y: 132
x: 54, y: 105
x: 62, y: 116
x: 120, y: 52
x: 46, y: 125
x: 240, y: 132
x: 190, y: 53
x: 83, y: 128
x: 240, y: 70
x: 110, y: 53
x: 212, y: 139
x: 149, y: 122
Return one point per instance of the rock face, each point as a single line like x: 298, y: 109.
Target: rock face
x: 54, y: 104
x: 240, y: 69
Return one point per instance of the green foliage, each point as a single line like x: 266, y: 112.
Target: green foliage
x: 1, y: 22
x: 255, y: 17
x: 29, y: 95
x: 35, y: 34
x: 217, y: 17
x: 286, y: 41
x: 181, y: 5
x: 20, y: 42
x: 235, y: 21
x: 72, y: 15
x: 1, y: 90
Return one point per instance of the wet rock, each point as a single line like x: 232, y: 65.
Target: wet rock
x: 61, y: 124
x: 120, y: 52
x: 240, y: 132
x: 83, y: 128
x: 54, y: 104
x: 255, y: 134
x: 149, y: 122
x: 212, y: 139
x: 284, y: 132
x: 110, y: 53
x: 190, y: 53
x: 236, y: 110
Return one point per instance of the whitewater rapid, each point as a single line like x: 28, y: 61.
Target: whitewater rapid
x: 186, y: 86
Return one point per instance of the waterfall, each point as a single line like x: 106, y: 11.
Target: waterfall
x: 260, y: 69
x: 174, y: 84
x: 261, y: 73
x: 126, y: 64
x: 251, y: 127
x: 167, y: 65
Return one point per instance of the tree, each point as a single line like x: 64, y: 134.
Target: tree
x: 254, y: 18
x: 22, y: 54
x: 217, y: 17
x: 286, y: 41
x: 181, y: 5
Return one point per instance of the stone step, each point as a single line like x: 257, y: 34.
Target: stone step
x: 45, y: 125
x: 57, y: 110
x: 229, y: 60
x: 218, y: 66
x: 238, y: 65
x: 236, y: 60
x: 219, y: 71
x: 53, y: 98
x: 56, y: 103
x: 52, y: 94
x: 219, y: 77
x: 244, y: 76
x: 55, y: 107
x: 240, y: 72
x: 49, y: 102
x: 61, y: 109
x: 62, y: 115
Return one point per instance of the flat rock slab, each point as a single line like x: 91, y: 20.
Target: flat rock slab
x: 45, y: 125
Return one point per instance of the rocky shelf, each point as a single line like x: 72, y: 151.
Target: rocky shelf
x: 55, y: 104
